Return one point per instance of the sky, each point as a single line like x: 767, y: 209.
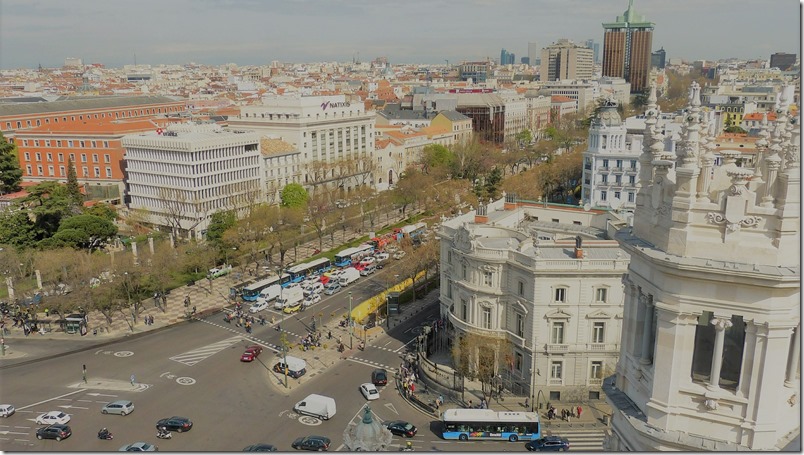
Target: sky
x: 255, y: 32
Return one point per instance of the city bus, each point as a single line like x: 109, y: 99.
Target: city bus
x: 252, y: 291
x: 300, y: 272
x: 487, y: 424
x: 350, y: 256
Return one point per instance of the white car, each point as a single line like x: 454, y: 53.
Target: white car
x: 316, y: 288
x: 391, y: 248
x: 382, y: 257
x: 311, y: 280
x: 399, y: 254
x: 369, y: 391
x: 259, y: 306
x: 6, y: 410
x: 293, y: 285
x: 368, y: 260
x: 312, y: 299
x: 52, y: 417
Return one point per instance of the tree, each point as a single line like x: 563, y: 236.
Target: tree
x: 73, y: 188
x: 437, y: 160
x: 294, y: 195
x: 102, y: 210
x: 50, y: 203
x: 480, y: 357
x: 410, y: 188
x: 10, y: 171
x: 524, y: 137
x: 219, y: 223
x: 319, y: 211
x: 17, y: 229
x: 85, y: 231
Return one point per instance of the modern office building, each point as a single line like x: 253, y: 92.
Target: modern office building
x: 534, y: 53
x: 474, y: 71
x: 183, y: 174
x: 535, y: 291
x: 506, y: 58
x: 657, y: 59
x: 566, y: 60
x: 782, y: 60
x: 627, y: 48
x: 711, y: 338
x: 591, y: 44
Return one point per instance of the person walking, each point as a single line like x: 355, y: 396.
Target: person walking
x: 133, y: 379
x: 84, y: 369
x: 187, y: 301
x: 579, y: 411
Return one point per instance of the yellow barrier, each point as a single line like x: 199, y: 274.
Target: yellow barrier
x: 371, y: 304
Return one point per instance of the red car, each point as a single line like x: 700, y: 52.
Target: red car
x: 324, y: 280
x: 251, y: 353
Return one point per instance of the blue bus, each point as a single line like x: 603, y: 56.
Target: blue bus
x: 487, y: 424
x: 300, y: 272
x: 252, y: 291
x: 350, y: 256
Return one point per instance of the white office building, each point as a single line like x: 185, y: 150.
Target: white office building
x: 546, y: 305
x: 711, y: 339
x: 180, y: 176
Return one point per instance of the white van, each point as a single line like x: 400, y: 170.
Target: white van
x: 349, y: 275
x: 270, y: 293
x: 295, y: 366
x: 316, y: 406
x: 289, y: 297
x: 368, y: 270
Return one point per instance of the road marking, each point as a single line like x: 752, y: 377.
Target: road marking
x: 95, y: 394
x: 190, y: 358
x: 51, y: 399
x: 90, y: 401
x: 10, y: 432
x: 310, y: 421
x: 68, y: 406
x: 391, y: 407
x: 405, y: 345
x: 185, y: 381
x: 371, y: 363
x: 123, y: 354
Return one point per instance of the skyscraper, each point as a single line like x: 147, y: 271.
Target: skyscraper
x: 627, y: 48
x: 506, y: 58
x: 534, y: 51
x: 565, y: 60
x: 657, y: 59
x: 591, y: 44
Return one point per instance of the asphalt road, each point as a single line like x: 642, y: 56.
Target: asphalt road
x: 193, y: 370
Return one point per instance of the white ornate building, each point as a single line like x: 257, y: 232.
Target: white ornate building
x: 710, y: 350
x: 512, y: 272
x: 180, y: 176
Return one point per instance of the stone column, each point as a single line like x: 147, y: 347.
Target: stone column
x: 721, y: 324
x: 134, y: 252
x: 151, y: 244
x: 10, y: 285
x: 773, y: 163
x: 38, y: 279
x: 792, y: 363
x: 647, y: 324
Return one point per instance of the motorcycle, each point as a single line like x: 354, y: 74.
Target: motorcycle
x: 164, y: 434
x: 105, y: 434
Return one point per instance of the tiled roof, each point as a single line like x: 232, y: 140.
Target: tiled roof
x: 273, y: 146
x: 94, y: 126
x: 454, y: 116
x: 77, y: 104
x: 561, y: 99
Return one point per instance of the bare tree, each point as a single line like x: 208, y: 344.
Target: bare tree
x: 480, y: 357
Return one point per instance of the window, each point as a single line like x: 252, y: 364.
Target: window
x: 464, y: 310
x: 449, y: 257
x: 557, y: 334
x: 521, y: 286
x: 486, y: 323
x: 83, y: 158
x: 39, y: 170
x: 596, y: 369
x: 630, y: 197
x: 38, y: 156
x: 704, y: 347
x: 520, y: 325
x: 108, y: 172
x: 94, y: 157
x: 449, y: 289
x: 487, y: 278
x: 97, y: 171
x: 61, y: 157
x: 106, y: 144
x: 604, y: 178
x: 603, y: 195
x: 463, y: 269
x: 605, y: 162
x: 555, y: 369
x: 518, y: 361
x: 61, y: 171
x: 50, y: 171
x: 633, y: 164
x: 50, y: 157
x: 632, y: 179
x: 598, y: 332
x: 601, y: 294
x: 27, y: 156
x: 107, y: 158
x: 620, y: 163
x: 561, y: 295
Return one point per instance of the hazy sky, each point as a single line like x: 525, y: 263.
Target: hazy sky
x: 254, y: 32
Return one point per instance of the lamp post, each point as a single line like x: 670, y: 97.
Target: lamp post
x: 349, y: 320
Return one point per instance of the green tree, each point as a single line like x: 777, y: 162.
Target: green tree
x: 73, y: 188
x: 524, y: 137
x: 437, y: 160
x: 294, y: 195
x: 105, y: 211
x: 410, y: 188
x: 49, y: 203
x: 17, y: 229
x: 219, y: 223
x: 10, y: 171
x: 85, y: 231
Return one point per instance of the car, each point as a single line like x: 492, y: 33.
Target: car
x: 260, y: 448
x: 219, y: 271
x: 312, y: 299
x: 368, y: 260
x: 548, y: 444
x: 324, y: 279
x: 401, y: 428
x: 311, y: 443
x: 139, y: 447
x: 359, y: 266
x: 258, y: 306
x: 292, y: 285
x: 122, y: 407
x: 314, y: 288
x: 56, y: 431
x: 294, y: 308
x: 369, y: 391
x: 382, y: 257
x: 310, y: 280
x: 391, y: 249
x: 251, y: 353
x: 379, y: 377
x: 52, y: 417
x: 6, y: 410
x: 332, y: 288
x: 399, y: 254
x: 175, y: 423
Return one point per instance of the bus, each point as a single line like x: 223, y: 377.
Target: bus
x: 316, y: 267
x: 352, y: 255
x: 252, y: 291
x: 487, y: 424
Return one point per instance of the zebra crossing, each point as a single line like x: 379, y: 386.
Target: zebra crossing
x: 581, y: 439
x: 190, y: 358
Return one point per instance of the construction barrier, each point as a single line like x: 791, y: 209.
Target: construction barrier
x: 372, y: 304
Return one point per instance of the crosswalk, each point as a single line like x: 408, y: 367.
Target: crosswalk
x: 581, y: 439
x: 190, y: 358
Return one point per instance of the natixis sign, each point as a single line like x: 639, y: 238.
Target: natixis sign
x: 328, y: 104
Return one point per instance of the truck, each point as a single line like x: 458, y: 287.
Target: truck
x: 348, y: 276
x: 289, y: 297
x: 316, y: 406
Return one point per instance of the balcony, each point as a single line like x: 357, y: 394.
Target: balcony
x: 556, y: 347
x: 603, y: 169
x: 555, y: 381
x: 595, y: 381
x: 603, y: 347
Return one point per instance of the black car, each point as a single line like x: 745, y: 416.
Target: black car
x: 175, y: 423
x: 311, y: 443
x: 401, y: 428
x: 260, y: 448
x: 56, y: 431
x: 379, y: 377
x: 548, y: 444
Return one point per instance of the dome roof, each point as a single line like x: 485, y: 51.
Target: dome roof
x: 609, y: 116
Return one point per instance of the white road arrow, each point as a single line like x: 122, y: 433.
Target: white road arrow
x: 100, y: 395
x: 67, y: 406
x: 391, y: 407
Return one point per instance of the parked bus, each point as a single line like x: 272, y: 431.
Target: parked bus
x: 487, y: 424
x: 252, y: 291
x: 300, y: 272
x: 351, y: 256
x: 411, y: 231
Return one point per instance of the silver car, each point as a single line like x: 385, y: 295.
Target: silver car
x: 122, y: 407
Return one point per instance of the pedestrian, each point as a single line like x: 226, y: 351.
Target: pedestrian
x: 470, y: 404
x: 193, y: 309
x: 164, y: 300
x: 47, y: 311
x: 526, y: 402
x: 132, y: 379
x: 569, y: 416
x: 579, y: 411
x: 85, y: 373
x: 186, y: 301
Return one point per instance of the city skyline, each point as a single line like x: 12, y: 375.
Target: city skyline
x: 249, y: 32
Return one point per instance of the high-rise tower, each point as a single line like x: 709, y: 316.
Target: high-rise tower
x: 627, y: 48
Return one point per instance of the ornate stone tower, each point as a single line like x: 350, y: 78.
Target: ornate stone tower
x: 711, y: 328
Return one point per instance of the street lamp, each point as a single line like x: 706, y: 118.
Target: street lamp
x: 349, y: 319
